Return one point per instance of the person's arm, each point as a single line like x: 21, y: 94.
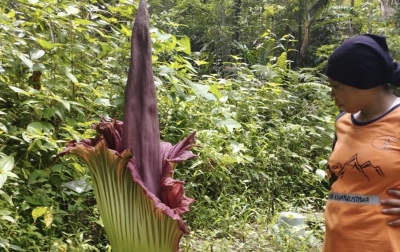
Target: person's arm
x: 395, y: 206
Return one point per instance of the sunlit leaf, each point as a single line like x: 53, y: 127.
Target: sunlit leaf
x: 48, y: 217
x: 6, y: 197
x: 230, y: 124
x: 8, y: 218
x: 320, y: 174
x: 185, y: 41
x: 84, y: 22
x: 24, y: 59
x: 36, y: 54
x: 38, y: 67
x: 37, y: 212
x: 71, y: 76
x: 4, y: 212
x: 125, y: 30
x: 71, y: 9
x: 45, y: 44
x: 3, y: 127
x: 18, y: 90
x: 214, y: 90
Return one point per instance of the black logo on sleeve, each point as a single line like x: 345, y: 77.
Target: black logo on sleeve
x: 338, y: 170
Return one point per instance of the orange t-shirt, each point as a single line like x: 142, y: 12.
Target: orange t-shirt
x: 364, y: 164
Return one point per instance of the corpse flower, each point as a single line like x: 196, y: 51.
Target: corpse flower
x: 139, y: 202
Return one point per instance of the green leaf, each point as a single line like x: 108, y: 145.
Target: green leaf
x: 15, y: 247
x: 3, y: 128
x: 125, y: 30
x: 214, y: 90
x: 6, y: 165
x: 71, y: 76
x: 230, y: 124
x: 84, y: 22
x: 26, y: 61
x: 37, y: 212
x: 6, y: 197
x: 102, y: 101
x: 36, y: 54
x: 48, y: 218
x: 185, y: 41
x: 45, y: 44
x: 5, y: 212
x: 18, y: 90
x: 38, y: 67
x: 40, y: 127
x: 8, y: 218
x: 71, y: 9
x: 33, y: 177
x: 201, y: 90
x: 65, y: 103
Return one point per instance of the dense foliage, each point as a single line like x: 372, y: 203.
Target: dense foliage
x: 263, y: 128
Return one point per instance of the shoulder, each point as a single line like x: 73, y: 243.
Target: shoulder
x: 340, y: 115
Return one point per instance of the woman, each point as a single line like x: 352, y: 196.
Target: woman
x: 363, y: 209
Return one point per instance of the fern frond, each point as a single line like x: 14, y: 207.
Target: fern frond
x: 281, y: 61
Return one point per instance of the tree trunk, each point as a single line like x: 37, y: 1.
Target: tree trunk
x: 237, y: 6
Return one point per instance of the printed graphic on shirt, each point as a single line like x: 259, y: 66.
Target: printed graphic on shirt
x: 386, y: 143
x: 355, y: 198
x: 338, y: 170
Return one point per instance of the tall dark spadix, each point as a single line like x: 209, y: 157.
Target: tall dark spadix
x: 141, y: 127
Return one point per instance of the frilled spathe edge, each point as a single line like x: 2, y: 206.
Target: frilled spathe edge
x: 173, y: 202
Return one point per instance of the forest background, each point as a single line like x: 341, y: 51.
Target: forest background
x: 246, y: 75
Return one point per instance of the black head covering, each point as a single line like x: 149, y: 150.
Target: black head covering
x: 363, y: 62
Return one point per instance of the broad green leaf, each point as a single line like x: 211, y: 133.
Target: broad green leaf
x: 33, y: 177
x: 40, y: 127
x: 320, y: 174
x: 6, y: 197
x: 11, y: 14
x: 71, y: 76
x: 36, y: 54
x: 185, y: 41
x: 45, y: 44
x: 71, y: 9
x: 8, y: 218
x: 48, y: 217
x: 230, y: 124
x: 125, y: 30
x: 5, y: 212
x: 65, y: 103
x: 37, y: 212
x: 78, y: 167
x: 18, y: 90
x: 102, y: 101
x: 3, y: 127
x: 214, y: 90
x: 24, y: 59
x: 38, y: 67
x: 15, y: 247
x: 202, y: 90
x: 6, y: 164
x: 30, y: 101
